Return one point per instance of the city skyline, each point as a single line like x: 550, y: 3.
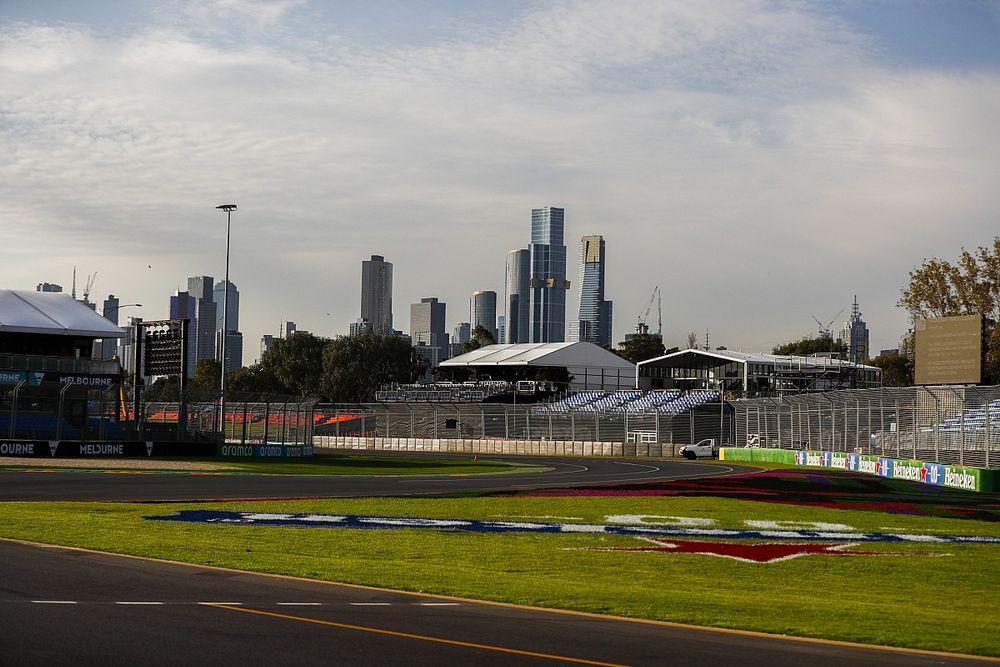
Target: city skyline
x: 760, y: 147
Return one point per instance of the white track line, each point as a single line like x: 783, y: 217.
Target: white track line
x: 150, y: 603
x: 438, y: 604
x: 370, y: 604
x: 300, y: 604
x: 231, y: 604
x: 54, y: 601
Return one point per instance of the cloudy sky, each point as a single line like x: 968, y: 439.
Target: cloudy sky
x: 762, y: 162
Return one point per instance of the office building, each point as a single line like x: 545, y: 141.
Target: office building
x: 201, y: 331
x: 855, y: 335
x: 219, y: 296
x: 183, y: 306
x: 266, y: 342
x: 501, y: 328
x: 288, y: 329
x: 593, y: 323
x: 234, y: 350
x: 360, y: 326
x: 48, y: 287
x: 516, y: 297
x: 547, y: 284
x: 108, y: 347
x: 483, y: 311
x: 376, y: 294
x: 462, y: 333
x: 427, y: 328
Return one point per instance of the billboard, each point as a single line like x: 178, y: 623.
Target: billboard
x: 949, y: 350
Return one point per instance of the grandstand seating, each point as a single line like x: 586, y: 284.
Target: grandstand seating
x: 37, y: 427
x: 669, y: 402
x: 971, y: 420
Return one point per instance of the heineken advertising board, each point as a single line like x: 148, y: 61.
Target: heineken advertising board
x: 937, y: 474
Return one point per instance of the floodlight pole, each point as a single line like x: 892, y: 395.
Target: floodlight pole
x: 228, y: 208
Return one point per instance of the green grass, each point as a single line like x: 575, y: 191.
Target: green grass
x: 943, y: 603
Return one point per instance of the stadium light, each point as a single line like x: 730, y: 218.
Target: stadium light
x: 228, y: 208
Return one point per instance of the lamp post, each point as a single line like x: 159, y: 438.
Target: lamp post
x: 228, y: 208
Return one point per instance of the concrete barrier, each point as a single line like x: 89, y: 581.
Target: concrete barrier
x: 477, y: 446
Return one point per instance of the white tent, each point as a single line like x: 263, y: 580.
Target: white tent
x: 590, y: 366
x: 53, y: 314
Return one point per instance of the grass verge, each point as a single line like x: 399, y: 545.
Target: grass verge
x: 931, y: 596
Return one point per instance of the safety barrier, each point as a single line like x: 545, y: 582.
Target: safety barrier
x: 937, y: 474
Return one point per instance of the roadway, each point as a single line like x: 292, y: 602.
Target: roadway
x: 121, y: 485
x: 70, y: 607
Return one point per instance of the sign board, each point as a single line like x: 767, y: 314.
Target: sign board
x: 949, y: 350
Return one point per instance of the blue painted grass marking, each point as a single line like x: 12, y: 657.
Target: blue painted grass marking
x: 477, y: 526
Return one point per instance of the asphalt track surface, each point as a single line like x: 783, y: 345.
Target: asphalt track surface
x: 62, y: 606
x: 124, y: 486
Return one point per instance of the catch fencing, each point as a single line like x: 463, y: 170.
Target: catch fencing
x: 954, y: 425
x: 502, y: 422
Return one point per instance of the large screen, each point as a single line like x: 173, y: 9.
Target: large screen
x: 949, y: 350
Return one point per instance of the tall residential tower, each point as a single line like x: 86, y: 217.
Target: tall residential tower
x: 547, y: 284
x: 517, y: 297
x: 376, y: 294
x: 594, y: 319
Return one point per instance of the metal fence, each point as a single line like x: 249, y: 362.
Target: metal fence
x: 507, y: 422
x: 51, y: 411
x: 957, y: 425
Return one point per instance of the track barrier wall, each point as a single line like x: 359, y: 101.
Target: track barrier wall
x: 497, y: 446
x: 937, y: 474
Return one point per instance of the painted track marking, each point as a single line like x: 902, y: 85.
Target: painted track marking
x: 426, y: 638
x: 54, y: 601
x: 140, y: 602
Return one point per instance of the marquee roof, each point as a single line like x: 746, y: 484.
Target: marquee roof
x: 53, y: 314
x: 570, y: 355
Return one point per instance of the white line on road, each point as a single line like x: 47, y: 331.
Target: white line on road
x: 139, y: 603
x: 231, y: 604
x: 54, y: 601
x: 300, y: 604
x: 371, y: 604
x: 438, y: 604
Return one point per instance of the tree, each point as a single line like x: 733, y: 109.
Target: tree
x: 970, y: 286
x: 480, y: 337
x: 207, y: 375
x: 296, y: 364
x: 354, y: 367
x: 255, y: 379
x: 640, y: 346
x: 806, y: 346
x: 692, y: 341
x: 897, y: 371
x: 164, y: 388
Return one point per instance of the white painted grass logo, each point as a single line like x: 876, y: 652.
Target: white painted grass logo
x: 646, y: 526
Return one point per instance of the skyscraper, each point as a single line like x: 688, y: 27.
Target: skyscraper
x: 484, y: 311
x: 48, y: 287
x: 462, y: 333
x: 202, y: 329
x: 108, y: 347
x: 516, y: 298
x: 594, y: 319
x: 376, y: 294
x: 547, y: 284
x: 219, y: 296
x: 427, y: 328
x: 183, y: 306
x: 855, y: 334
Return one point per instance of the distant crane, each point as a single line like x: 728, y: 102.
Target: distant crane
x: 824, y: 329
x: 643, y: 326
x: 90, y: 286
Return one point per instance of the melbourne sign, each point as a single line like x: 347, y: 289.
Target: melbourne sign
x: 34, y: 378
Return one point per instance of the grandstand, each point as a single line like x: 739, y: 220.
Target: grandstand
x: 443, y: 392
x: 669, y: 402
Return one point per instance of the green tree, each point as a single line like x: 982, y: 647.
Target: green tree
x: 641, y: 346
x: 807, y: 345
x: 897, y: 371
x: 296, y: 364
x: 164, y: 388
x: 354, y: 367
x: 207, y: 375
x: 481, y: 337
x: 969, y: 286
x: 254, y: 379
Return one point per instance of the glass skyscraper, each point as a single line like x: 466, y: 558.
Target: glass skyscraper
x: 547, y: 284
x: 516, y: 303
x: 484, y: 311
x: 594, y: 318
x: 376, y: 294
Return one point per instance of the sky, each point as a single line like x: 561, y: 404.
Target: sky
x: 761, y: 162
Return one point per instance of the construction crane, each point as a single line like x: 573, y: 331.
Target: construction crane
x: 90, y: 285
x: 643, y: 326
x: 824, y: 329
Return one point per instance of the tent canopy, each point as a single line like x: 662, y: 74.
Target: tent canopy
x: 52, y: 314
x: 584, y: 355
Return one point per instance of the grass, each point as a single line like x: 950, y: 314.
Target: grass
x: 944, y: 603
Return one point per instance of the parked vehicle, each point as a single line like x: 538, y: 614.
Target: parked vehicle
x: 704, y: 449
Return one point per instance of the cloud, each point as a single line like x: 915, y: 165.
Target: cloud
x: 761, y: 147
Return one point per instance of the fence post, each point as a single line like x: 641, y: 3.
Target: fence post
x: 482, y: 417
x: 59, y: 415
x: 572, y: 426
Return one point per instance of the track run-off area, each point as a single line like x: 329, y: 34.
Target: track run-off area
x: 65, y: 605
